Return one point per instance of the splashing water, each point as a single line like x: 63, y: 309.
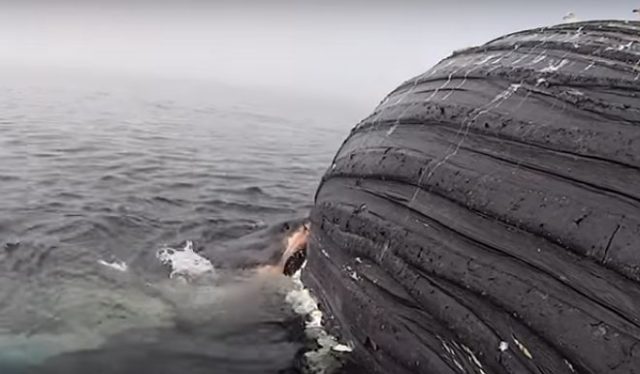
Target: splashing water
x: 116, y: 265
x: 112, y: 176
x: 327, y: 355
x: 184, y: 263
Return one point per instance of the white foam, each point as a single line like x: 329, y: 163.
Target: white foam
x: 319, y: 361
x: 184, y: 263
x: 302, y: 302
x: 116, y: 265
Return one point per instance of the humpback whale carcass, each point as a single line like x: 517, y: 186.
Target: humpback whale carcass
x: 485, y: 218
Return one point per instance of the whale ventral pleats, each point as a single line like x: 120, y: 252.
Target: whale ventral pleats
x: 502, y: 225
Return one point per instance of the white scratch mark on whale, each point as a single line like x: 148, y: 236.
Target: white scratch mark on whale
x: 463, y: 131
x: 591, y: 64
x: 553, y: 68
x: 472, y: 356
x: 523, y: 349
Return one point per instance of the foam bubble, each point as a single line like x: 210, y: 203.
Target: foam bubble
x: 322, y: 359
x: 116, y: 265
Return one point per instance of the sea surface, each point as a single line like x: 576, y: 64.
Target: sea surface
x: 99, y: 175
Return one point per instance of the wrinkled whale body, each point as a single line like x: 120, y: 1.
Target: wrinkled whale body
x: 485, y: 218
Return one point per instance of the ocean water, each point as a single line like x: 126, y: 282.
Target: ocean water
x: 96, y: 177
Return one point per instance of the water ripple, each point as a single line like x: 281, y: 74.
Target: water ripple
x: 96, y: 176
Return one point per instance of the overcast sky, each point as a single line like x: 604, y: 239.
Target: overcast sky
x: 352, y: 50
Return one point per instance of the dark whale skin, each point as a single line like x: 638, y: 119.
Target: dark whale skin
x: 485, y: 218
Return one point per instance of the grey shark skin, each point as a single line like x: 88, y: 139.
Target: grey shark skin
x: 260, y: 248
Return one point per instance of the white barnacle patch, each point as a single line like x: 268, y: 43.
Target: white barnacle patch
x: 522, y: 348
x: 503, y: 346
x: 352, y: 273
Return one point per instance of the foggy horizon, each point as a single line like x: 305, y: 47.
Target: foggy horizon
x: 355, y: 52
